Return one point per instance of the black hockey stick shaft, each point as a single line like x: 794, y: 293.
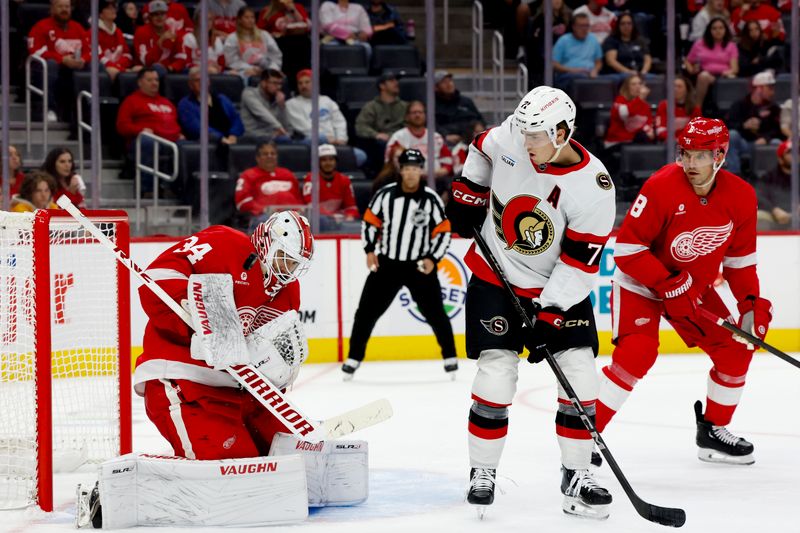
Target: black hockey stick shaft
x: 666, y: 516
x: 752, y: 339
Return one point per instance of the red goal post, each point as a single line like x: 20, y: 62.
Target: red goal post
x: 65, y: 369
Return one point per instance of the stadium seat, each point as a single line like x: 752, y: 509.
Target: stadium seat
x: 240, y: 158
x: 127, y: 84
x: 727, y: 91
x: 413, y: 89
x: 783, y: 88
x: 346, y: 159
x: 401, y: 60
x: 765, y: 158
x: 82, y: 81
x: 363, y: 193
x: 221, y: 196
x: 658, y: 90
x: 29, y: 14
x: 593, y: 93
x: 229, y: 85
x: 344, y: 60
x: 641, y: 160
x: 295, y: 157
x: 357, y: 90
x: 176, y: 86
x: 189, y: 162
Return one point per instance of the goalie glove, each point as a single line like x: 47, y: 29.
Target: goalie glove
x: 218, y: 338
x: 754, y: 318
x: 278, y: 348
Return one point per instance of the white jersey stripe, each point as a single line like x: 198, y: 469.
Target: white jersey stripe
x: 740, y: 262
x: 622, y: 249
x: 724, y: 395
x: 177, y: 419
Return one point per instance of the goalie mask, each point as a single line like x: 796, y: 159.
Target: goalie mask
x: 284, y: 245
x: 543, y: 111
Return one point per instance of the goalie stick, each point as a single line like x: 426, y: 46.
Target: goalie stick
x: 752, y: 339
x: 247, y: 376
x: 666, y: 516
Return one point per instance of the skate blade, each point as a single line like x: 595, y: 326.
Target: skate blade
x: 347, y: 377
x: 481, y: 510
x: 452, y: 375
x: 83, y: 515
x: 708, y: 455
x: 575, y: 507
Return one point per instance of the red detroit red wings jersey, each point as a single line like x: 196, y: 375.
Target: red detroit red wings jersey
x: 669, y: 228
x: 215, y: 250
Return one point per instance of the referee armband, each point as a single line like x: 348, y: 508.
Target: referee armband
x: 582, y: 250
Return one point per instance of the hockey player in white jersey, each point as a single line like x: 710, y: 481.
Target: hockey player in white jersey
x: 545, y: 206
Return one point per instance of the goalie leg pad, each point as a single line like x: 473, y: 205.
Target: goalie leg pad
x: 337, y: 470
x: 145, y: 490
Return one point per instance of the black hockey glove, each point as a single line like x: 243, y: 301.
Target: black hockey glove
x: 467, y: 206
x: 548, y: 321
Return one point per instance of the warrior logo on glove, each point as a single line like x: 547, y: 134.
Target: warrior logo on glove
x: 521, y: 225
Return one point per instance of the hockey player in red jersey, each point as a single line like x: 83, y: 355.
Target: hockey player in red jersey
x: 551, y: 207
x: 201, y: 410
x: 691, y: 218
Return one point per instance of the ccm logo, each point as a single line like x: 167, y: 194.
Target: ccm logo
x: 253, y: 468
x: 468, y: 198
x: 573, y: 323
x: 197, y: 291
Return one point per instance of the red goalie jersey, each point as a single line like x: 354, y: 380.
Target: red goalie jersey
x: 669, y: 228
x: 215, y: 250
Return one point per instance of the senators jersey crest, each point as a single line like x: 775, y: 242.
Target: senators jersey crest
x: 521, y: 226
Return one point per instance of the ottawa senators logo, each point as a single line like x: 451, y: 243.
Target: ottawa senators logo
x: 521, y: 225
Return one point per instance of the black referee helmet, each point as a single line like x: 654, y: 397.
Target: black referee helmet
x: 412, y: 156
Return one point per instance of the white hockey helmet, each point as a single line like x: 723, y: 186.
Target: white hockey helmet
x: 544, y: 109
x: 284, y: 245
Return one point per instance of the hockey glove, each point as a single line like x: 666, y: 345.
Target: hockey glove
x: 549, y: 321
x: 755, y: 314
x: 466, y: 210
x: 680, y: 296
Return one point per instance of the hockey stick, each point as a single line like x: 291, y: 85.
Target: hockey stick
x: 357, y: 419
x: 248, y: 377
x: 666, y: 516
x: 752, y: 339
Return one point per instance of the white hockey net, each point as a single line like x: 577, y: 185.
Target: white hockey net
x: 86, y: 362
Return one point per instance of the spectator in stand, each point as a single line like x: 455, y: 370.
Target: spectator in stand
x: 786, y: 118
x: 15, y: 168
x: 64, y: 44
x: 415, y: 135
x: 226, y: 14
x: 115, y: 55
x: 755, y: 53
x: 289, y: 25
x: 714, y: 56
x: 713, y: 9
x: 264, y: 109
x: 753, y: 120
x: 36, y: 192
x: 129, y: 19
x: 155, y: 45
x: 224, y: 124
x: 387, y: 26
x: 337, y: 203
x: 345, y: 23
x: 60, y: 164
x: 625, y: 51
x: 601, y: 19
x: 461, y: 149
x: 262, y: 188
x: 562, y: 16
x: 177, y: 18
x: 631, y: 119
x: 686, y: 108
x: 250, y: 50
x: 774, y: 190
x: 767, y: 16
x: 190, y: 42
x: 380, y: 118
x: 576, y: 54
x: 147, y: 111
x: 454, y: 111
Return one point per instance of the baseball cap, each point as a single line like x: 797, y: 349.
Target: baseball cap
x: 305, y: 73
x: 386, y: 76
x: 602, y: 3
x: 766, y: 77
x: 157, y: 6
x: 784, y: 147
x: 441, y: 75
x: 327, y: 150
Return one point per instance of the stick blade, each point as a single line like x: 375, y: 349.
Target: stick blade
x: 358, y: 419
x: 666, y: 516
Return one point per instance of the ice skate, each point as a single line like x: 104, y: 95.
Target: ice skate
x: 451, y: 367
x: 481, y: 489
x: 349, y: 368
x: 88, y: 513
x: 583, y: 496
x: 718, y: 445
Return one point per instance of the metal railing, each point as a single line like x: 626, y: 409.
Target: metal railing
x: 157, y: 141
x: 85, y: 126
x: 446, y: 21
x: 498, y: 76
x: 30, y: 88
x: 522, y: 80
x: 477, y: 45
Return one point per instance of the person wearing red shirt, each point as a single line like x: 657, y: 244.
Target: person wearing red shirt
x: 155, y: 45
x: 631, y: 119
x: 64, y: 44
x: 147, y: 111
x: 289, y: 24
x: 263, y: 187
x: 15, y: 169
x: 337, y: 201
x: 686, y: 108
x: 767, y: 16
x: 177, y: 19
x: 115, y: 55
x: 60, y: 165
x: 415, y: 135
x: 691, y: 219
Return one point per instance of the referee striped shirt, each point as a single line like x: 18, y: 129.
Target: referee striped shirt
x: 406, y: 226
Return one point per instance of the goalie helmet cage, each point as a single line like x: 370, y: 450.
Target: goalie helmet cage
x: 65, y: 370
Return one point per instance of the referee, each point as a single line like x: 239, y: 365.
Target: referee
x: 405, y: 233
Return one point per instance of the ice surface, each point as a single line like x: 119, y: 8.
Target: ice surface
x: 419, y: 463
